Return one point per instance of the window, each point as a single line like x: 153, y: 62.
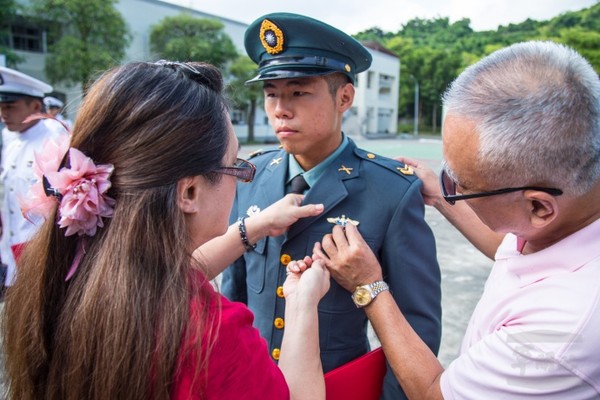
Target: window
x: 370, y: 78
x: 27, y: 38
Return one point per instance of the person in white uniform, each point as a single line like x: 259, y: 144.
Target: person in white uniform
x: 55, y: 107
x: 20, y: 96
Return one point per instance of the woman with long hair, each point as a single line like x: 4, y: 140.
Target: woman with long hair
x: 109, y: 302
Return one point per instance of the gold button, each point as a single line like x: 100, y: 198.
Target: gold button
x: 285, y: 259
x: 370, y: 155
x: 280, y: 291
x: 275, y: 354
x: 278, y: 323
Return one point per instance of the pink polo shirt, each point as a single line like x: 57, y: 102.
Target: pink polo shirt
x: 536, y: 329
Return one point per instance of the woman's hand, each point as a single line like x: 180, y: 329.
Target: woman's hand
x: 279, y: 216
x: 307, y: 280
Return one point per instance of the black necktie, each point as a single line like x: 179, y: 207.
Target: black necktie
x: 299, y: 185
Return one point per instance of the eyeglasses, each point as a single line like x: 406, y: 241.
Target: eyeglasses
x: 243, y: 170
x: 449, y: 190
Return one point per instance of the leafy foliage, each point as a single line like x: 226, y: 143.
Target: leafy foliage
x: 86, y: 36
x: 187, y: 38
x: 8, y: 13
x: 242, y: 95
x: 434, y: 51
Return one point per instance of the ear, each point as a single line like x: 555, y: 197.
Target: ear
x: 543, y: 208
x: 346, y: 96
x: 188, y: 194
x: 38, y: 106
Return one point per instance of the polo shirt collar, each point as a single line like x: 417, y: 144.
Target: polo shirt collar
x: 568, y: 255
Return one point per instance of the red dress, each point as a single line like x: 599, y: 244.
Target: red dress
x: 239, y: 363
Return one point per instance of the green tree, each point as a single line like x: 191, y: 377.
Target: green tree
x: 374, y: 35
x: 86, y: 36
x: 434, y: 51
x: 579, y: 30
x: 432, y: 68
x: 584, y: 41
x: 245, y: 96
x: 186, y: 38
x: 8, y: 14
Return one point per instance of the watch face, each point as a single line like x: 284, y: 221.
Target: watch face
x: 362, y: 296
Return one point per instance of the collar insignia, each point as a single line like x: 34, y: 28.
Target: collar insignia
x: 345, y: 169
x: 276, y: 161
x: 407, y: 170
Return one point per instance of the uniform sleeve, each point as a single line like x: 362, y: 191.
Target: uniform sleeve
x: 411, y: 269
x: 233, y: 283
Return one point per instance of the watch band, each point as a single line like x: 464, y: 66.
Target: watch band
x: 378, y: 287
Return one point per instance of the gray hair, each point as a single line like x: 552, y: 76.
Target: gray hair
x: 536, y: 108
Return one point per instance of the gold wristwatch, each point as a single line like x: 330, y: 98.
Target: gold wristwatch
x: 364, y: 295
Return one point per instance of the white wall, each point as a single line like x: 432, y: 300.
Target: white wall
x: 372, y: 100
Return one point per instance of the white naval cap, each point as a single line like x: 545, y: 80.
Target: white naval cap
x: 15, y: 84
x: 53, y: 102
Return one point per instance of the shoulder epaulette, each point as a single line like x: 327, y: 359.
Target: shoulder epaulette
x: 388, y: 163
x: 259, y: 152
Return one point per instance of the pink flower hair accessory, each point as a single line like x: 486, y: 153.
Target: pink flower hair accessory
x: 79, y: 190
x: 82, y: 188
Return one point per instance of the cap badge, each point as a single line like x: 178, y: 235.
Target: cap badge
x: 347, y: 68
x: 252, y: 210
x: 271, y: 37
x: 343, y: 221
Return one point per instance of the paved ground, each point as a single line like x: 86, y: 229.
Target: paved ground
x: 464, y: 269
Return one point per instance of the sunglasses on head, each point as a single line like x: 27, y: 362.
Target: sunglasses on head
x: 448, y: 186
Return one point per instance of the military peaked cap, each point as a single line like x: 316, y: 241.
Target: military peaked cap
x: 288, y: 45
x: 15, y: 84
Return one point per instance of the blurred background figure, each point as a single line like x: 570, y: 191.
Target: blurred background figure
x: 20, y: 97
x: 54, y: 107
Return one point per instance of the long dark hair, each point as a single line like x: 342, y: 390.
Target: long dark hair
x: 114, y: 330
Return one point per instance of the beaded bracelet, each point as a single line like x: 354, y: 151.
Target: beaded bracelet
x: 244, y: 235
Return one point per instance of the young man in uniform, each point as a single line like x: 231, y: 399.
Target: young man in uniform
x: 20, y: 97
x: 308, y: 70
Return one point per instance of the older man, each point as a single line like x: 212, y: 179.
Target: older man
x: 521, y: 144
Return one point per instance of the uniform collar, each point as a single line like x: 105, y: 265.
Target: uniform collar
x: 312, y: 176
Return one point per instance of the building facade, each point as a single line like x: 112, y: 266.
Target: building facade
x: 375, y: 109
